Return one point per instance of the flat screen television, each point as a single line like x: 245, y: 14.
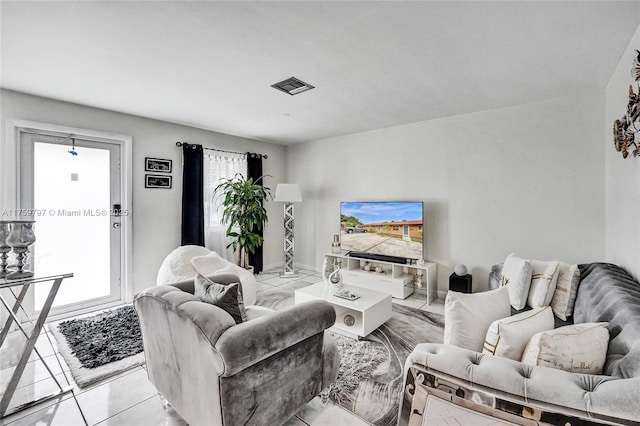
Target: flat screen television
x: 383, y: 229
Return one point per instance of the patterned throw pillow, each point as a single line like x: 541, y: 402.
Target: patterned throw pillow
x: 227, y: 297
x: 578, y: 348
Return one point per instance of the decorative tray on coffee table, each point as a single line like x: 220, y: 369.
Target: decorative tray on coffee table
x: 346, y: 294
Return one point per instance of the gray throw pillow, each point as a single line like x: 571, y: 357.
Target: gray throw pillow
x: 227, y: 297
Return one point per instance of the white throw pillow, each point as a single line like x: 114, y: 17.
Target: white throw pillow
x: 210, y: 264
x: 578, y: 348
x: 544, y: 276
x: 507, y: 337
x: 516, y: 276
x: 564, y: 298
x: 229, y: 269
x: 467, y: 316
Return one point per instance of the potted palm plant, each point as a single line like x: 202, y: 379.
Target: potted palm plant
x: 244, y: 214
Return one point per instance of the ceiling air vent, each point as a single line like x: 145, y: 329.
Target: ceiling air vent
x: 292, y: 86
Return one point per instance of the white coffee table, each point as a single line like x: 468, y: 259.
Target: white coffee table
x: 354, y: 318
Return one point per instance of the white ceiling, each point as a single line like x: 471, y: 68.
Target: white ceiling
x: 374, y: 64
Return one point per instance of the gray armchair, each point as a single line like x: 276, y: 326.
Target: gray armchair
x: 214, y: 372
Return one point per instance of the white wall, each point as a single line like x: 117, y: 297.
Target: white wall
x: 526, y: 178
x: 622, y: 175
x: 156, y: 213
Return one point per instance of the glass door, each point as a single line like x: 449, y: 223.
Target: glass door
x: 73, y: 187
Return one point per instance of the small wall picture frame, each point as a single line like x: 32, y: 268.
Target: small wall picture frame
x: 157, y: 181
x: 157, y: 165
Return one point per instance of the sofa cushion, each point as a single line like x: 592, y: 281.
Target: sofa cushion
x: 564, y: 296
x: 468, y: 316
x: 608, y: 293
x: 516, y: 276
x: 544, y: 276
x: 226, y: 296
x: 507, y: 337
x: 578, y: 348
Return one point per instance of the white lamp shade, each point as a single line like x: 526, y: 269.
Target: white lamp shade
x: 288, y: 193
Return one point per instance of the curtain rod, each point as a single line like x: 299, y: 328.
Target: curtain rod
x: 253, y: 154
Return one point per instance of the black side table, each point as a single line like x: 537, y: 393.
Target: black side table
x: 460, y: 283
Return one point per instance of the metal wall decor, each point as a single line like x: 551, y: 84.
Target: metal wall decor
x: 626, y: 127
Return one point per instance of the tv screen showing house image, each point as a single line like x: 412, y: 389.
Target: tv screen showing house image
x: 388, y: 228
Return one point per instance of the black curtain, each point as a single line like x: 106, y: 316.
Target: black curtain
x: 254, y: 170
x: 192, y: 195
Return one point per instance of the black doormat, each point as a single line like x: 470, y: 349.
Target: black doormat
x: 103, y: 338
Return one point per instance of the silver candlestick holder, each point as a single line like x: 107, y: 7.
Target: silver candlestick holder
x: 5, y: 229
x: 19, y: 239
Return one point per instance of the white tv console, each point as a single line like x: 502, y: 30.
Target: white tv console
x: 396, y: 279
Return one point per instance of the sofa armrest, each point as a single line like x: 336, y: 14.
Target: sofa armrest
x: 546, y: 389
x: 251, y: 342
x: 210, y: 320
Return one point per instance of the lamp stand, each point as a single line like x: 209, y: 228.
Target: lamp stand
x: 288, y: 242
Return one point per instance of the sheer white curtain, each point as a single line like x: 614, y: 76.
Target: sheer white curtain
x: 218, y: 166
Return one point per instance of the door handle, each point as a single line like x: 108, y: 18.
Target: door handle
x: 116, y: 225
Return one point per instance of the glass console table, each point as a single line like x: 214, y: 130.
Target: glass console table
x: 8, y: 287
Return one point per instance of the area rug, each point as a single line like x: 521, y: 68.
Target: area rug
x: 99, y: 346
x: 369, y: 382
x: 370, y: 385
x: 378, y: 398
x: 358, y: 361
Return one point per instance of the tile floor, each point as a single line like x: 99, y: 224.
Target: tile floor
x: 130, y: 399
